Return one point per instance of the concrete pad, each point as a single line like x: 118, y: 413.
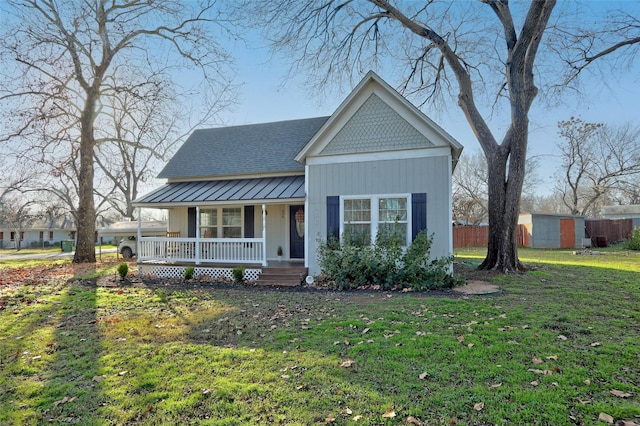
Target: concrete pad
x: 478, y: 288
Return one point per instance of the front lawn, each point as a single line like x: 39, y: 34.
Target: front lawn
x: 560, y: 346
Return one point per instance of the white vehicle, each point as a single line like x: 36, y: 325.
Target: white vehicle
x: 127, y: 247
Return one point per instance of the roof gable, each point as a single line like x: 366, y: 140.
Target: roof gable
x: 374, y: 127
x: 238, y: 150
x: 376, y: 118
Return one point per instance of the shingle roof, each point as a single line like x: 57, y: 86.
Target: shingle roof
x: 248, y: 149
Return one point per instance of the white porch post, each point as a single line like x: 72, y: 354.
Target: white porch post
x: 264, y: 235
x: 197, y: 235
x: 139, y: 233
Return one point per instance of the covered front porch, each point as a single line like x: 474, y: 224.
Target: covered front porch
x: 227, y: 223
x: 199, y: 250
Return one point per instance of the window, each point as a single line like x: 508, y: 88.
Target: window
x: 392, y: 217
x: 232, y: 222
x: 50, y: 235
x: 223, y: 222
x: 366, y: 218
x: 209, y: 223
x: 41, y: 236
x: 13, y: 236
x: 357, y: 220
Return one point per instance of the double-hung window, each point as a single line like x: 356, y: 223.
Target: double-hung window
x: 221, y: 222
x: 364, y: 218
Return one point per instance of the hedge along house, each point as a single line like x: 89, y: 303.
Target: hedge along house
x: 235, y: 195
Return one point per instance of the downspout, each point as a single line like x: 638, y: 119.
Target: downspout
x: 306, y: 215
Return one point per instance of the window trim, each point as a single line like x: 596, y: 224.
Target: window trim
x: 375, y: 212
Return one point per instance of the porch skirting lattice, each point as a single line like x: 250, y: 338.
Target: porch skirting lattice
x: 177, y: 271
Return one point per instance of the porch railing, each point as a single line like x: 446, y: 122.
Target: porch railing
x: 202, y: 250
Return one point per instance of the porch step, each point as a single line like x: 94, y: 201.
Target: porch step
x: 282, y: 276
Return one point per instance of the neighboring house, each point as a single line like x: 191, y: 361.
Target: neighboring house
x: 554, y: 231
x: 41, y: 233
x: 234, y: 195
x: 623, y: 212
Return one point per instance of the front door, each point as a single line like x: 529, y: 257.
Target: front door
x: 296, y: 232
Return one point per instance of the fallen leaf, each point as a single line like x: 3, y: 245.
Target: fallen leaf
x: 604, y: 417
x: 285, y: 376
x: 346, y: 412
x: 596, y: 344
x: 536, y: 371
x: 423, y: 375
x: 366, y: 330
x: 205, y: 391
x: 620, y: 394
x: 122, y: 373
x: 356, y: 418
x: 553, y: 357
x: 470, y: 345
x: 479, y: 406
x: 536, y: 361
x: 346, y: 363
x: 628, y: 423
x: 330, y: 419
x: 413, y: 421
x: 534, y: 383
x: 562, y: 337
x: 497, y: 385
x: 587, y: 382
x: 460, y: 339
x: 389, y: 414
x: 64, y: 400
x: 98, y: 378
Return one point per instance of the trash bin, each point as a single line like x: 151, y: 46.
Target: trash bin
x: 66, y: 246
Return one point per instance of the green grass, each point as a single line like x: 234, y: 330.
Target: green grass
x: 232, y: 356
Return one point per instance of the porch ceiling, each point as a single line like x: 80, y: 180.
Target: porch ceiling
x: 203, y: 192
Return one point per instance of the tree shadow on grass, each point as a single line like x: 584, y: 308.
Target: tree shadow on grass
x: 52, y: 354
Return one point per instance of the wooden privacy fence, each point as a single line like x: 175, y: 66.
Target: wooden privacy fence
x: 478, y: 236
x: 606, y: 231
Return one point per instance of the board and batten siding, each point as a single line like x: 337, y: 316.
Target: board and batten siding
x: 430, y: 175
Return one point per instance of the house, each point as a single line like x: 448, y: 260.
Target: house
x: 45, y: 232
x: 631, y: 211
x: 235, y: 195
x: 554, y: 231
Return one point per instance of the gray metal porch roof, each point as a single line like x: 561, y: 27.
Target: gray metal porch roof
x: 242, y: 190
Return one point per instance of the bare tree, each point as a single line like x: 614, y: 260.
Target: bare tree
x: 141, y: 130
x: 462, y: 49
x: 597, y: 161
x: 70, y: 55
x: 470, y: 189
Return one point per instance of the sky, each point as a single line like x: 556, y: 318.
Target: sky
x: 266, y: 95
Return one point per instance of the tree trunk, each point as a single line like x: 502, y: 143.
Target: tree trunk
x: 86, y: 220
x: 505, y: 189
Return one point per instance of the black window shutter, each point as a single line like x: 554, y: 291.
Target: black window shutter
x: 191, y: 222
x: 333, y: 217
x: 248, y: 222
x: 418, y: 213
